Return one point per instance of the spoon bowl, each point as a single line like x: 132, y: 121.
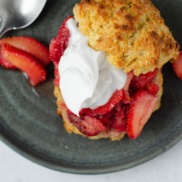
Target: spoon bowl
x: 18, y: 14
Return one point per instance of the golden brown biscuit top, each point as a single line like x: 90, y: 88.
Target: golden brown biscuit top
x: 131, y: 33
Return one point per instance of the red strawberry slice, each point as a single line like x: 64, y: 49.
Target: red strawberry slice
x: 60, y: 43
x: 139, y: 82
x: 107, y: 119
x: 126, y: 97
x: 30, y: 45
x: 55, y: 50
x: 87, y: 112
x: 177, y: 66
x: 119, y: 123
x: 57, y: 47
x: 56, y: 74
x: 88, y: 126
x: 5, y: 63
x: 25, y: 62
x: 139, y: 112
x: 101, y: 110
x: 152, y: 88
x: 128, y: 81
x: 116, y: 97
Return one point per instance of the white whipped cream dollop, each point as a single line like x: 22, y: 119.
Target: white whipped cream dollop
x: 87, y: 79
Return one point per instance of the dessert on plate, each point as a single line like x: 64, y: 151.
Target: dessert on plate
x: 108, y: 59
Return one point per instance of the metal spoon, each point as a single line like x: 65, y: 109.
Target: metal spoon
x: 18, y: 14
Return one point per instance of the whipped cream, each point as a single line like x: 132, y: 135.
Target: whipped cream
x: 87, y: 79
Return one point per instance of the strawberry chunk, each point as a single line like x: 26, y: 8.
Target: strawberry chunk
x: 139, y: 112
x: 30, y: 45
x: 60, y: 43
x: 87, y: 112
x: 119, y: 123
x: 126, y: 97
x: 87, y: 125
x: 57, y: 47
x: 128, y: 81
x: 25, y: 62
x: 101, y: 110
x: 152, y: 88
x: 141, y: 81
x: 5, y: 63
x: 177, y: 66
x: 107, y: 119
x: 56, y: 74
x: 116, y: 97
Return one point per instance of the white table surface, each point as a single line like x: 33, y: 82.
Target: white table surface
x: 164, y: 168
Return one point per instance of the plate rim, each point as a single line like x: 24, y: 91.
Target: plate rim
x: 163, y: 147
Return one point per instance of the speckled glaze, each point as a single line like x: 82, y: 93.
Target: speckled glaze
x: 29, y: 123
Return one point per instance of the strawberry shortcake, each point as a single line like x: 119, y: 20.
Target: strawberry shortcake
x: 108, y: 59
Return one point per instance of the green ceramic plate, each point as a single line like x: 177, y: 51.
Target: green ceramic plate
x: 29, y: 123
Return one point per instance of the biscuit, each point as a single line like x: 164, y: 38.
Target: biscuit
x: 131, y: 33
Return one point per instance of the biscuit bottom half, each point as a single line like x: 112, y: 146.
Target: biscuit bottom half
x: 112, y: 134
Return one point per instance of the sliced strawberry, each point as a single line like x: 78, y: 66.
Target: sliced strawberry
x: 87, y: 112
x: 55, y: 50
x: 87, y: 125
x: 139, y: 82
x: 60, y: 43
x: 30, y: 45
x: 25, y: 62
x: 119, y: 123
x: 152, y: 88
x: 139, y: 112
x: 56, y: 74
x: 128, y: 81
x: 101, y: 110
x: 177, y: 66
x: 126, y: 97
x: 5, y: 63
x: 116, y: 97
x: 57, y: 47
